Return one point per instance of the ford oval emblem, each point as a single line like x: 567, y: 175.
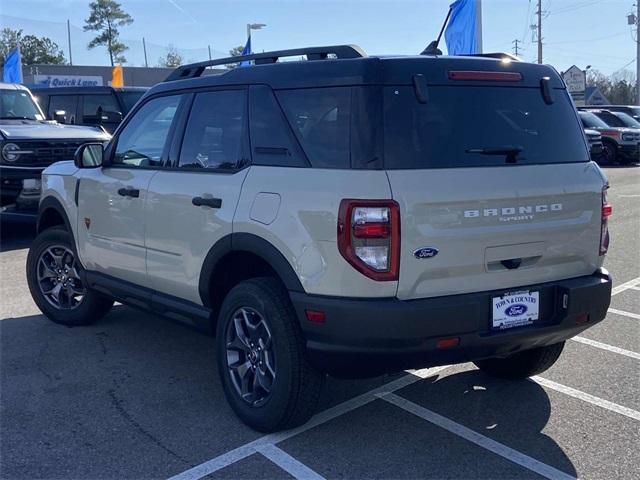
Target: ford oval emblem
x: 425, y: 252
x: 516, y: 310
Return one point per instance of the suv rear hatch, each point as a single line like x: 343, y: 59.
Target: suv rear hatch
x: 493, y: 180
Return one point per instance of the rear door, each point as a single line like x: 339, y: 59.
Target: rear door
x: 191, y: 206
x: 495, y: 189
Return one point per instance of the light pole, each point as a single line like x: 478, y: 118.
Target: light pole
x: 254, y: 26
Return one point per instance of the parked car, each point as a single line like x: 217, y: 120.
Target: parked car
x: 337, y: 215
x: 105, y: 106
x: 615, y: 119
x: 595, y: 144
x: 28, y: 144
x: 631, y: 110
x: 620, y: 144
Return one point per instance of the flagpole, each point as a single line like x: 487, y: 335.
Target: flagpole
x: 479, y: 25
x: 69, y: 41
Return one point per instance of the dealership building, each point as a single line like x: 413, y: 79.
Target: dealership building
x: 88, y: 76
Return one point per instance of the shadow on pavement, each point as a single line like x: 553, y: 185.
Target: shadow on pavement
x: 16, y: 233
x: 514, y: 413
x: 132, y: 396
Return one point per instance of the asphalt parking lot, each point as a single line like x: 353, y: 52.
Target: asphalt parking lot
x: 136, y: 396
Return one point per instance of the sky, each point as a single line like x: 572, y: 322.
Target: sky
x: 580, y: 32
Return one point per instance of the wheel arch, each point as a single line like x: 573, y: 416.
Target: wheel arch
x: 255, y: 253
x: 50, y: 214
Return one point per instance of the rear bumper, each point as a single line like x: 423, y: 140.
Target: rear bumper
x: 367, y: 337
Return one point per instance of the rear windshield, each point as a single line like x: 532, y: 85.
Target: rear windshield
x: 479, y: 126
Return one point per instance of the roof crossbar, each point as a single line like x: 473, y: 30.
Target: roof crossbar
x: 194, y: 70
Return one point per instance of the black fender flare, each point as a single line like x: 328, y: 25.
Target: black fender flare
x: 246, y: 242
x: 52, y: 203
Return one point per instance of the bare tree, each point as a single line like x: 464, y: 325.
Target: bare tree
x: 171, y: 58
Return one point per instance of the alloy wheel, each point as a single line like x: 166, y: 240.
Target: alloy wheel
x: 58, y: 278
x: 250, y: 356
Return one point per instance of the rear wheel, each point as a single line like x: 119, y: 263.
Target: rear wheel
x: 522, y: 364
x: 55, y: 283
x: 261, y: 359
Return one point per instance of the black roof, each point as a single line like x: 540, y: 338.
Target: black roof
x: 85, y: 90
x: 351, y: 66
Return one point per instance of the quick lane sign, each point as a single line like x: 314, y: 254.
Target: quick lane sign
x: 68, y: 80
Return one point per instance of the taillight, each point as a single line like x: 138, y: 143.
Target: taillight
x: 607, y: 210
x: 369, y: 237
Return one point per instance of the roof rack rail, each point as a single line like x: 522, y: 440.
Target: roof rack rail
x: 193, y: 70
x: 498, y: 55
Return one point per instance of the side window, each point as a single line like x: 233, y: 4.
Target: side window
x: 215, y: 131
x: 97, y: 106
x: 271, y: 137
x: 68, y: 103
x: 320, y: 118
x: 142, y: 140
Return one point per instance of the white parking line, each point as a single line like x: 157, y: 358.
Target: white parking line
x: 635, y: 288
x: 625, y: 314
x: 625, y: 286
x: 604, y: 346
x: 250, y: 448
x: 585, y: 397
x: 472, y: 436
x: 289, y: 464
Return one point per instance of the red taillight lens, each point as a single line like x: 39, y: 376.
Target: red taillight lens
x: 369, y: 237
x: 607, y: 210
x: 484, y: 76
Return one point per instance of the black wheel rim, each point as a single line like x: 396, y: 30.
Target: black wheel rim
x: 250, y: 356
x: 58, y: 279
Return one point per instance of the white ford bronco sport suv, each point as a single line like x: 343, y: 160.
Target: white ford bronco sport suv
x: 345, y: 215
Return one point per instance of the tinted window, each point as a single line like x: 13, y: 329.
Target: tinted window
x: 215, y: 130
x: 99, y: 108
x: 271, y: 137
x: 471, y: 126
x: 142, y: 140
x: 320, y: 118
x: 589, y: 120
x: 610, y: 119
x: 627, y: 120
x: 68, y: 103
x: 130, y: 99
x: 18, y: 104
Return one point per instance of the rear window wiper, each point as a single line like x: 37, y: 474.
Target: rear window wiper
x: 510, y: 152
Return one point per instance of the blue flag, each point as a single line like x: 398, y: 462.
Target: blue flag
x: 12, y: 67
x: 461, y: 32
x: 246, y: 51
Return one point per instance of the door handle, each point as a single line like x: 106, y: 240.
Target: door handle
x: 208, y: 202
x: 129, y: 192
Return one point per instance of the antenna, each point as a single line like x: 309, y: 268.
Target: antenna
x: 432, y: 48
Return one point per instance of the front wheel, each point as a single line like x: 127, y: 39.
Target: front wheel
x: 522, y: 364
x: 55, y: 283
x: 266, y: 377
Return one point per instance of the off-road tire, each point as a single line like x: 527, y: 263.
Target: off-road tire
x: 522, y: 364
x: 297, y: 385
x: 93, y: 305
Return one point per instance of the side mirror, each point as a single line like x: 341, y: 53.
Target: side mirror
x: 110, y: 117
x: 89, y: 155
x: 60, y: 116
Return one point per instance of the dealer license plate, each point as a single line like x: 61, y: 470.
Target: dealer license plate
x: 515, y: 309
